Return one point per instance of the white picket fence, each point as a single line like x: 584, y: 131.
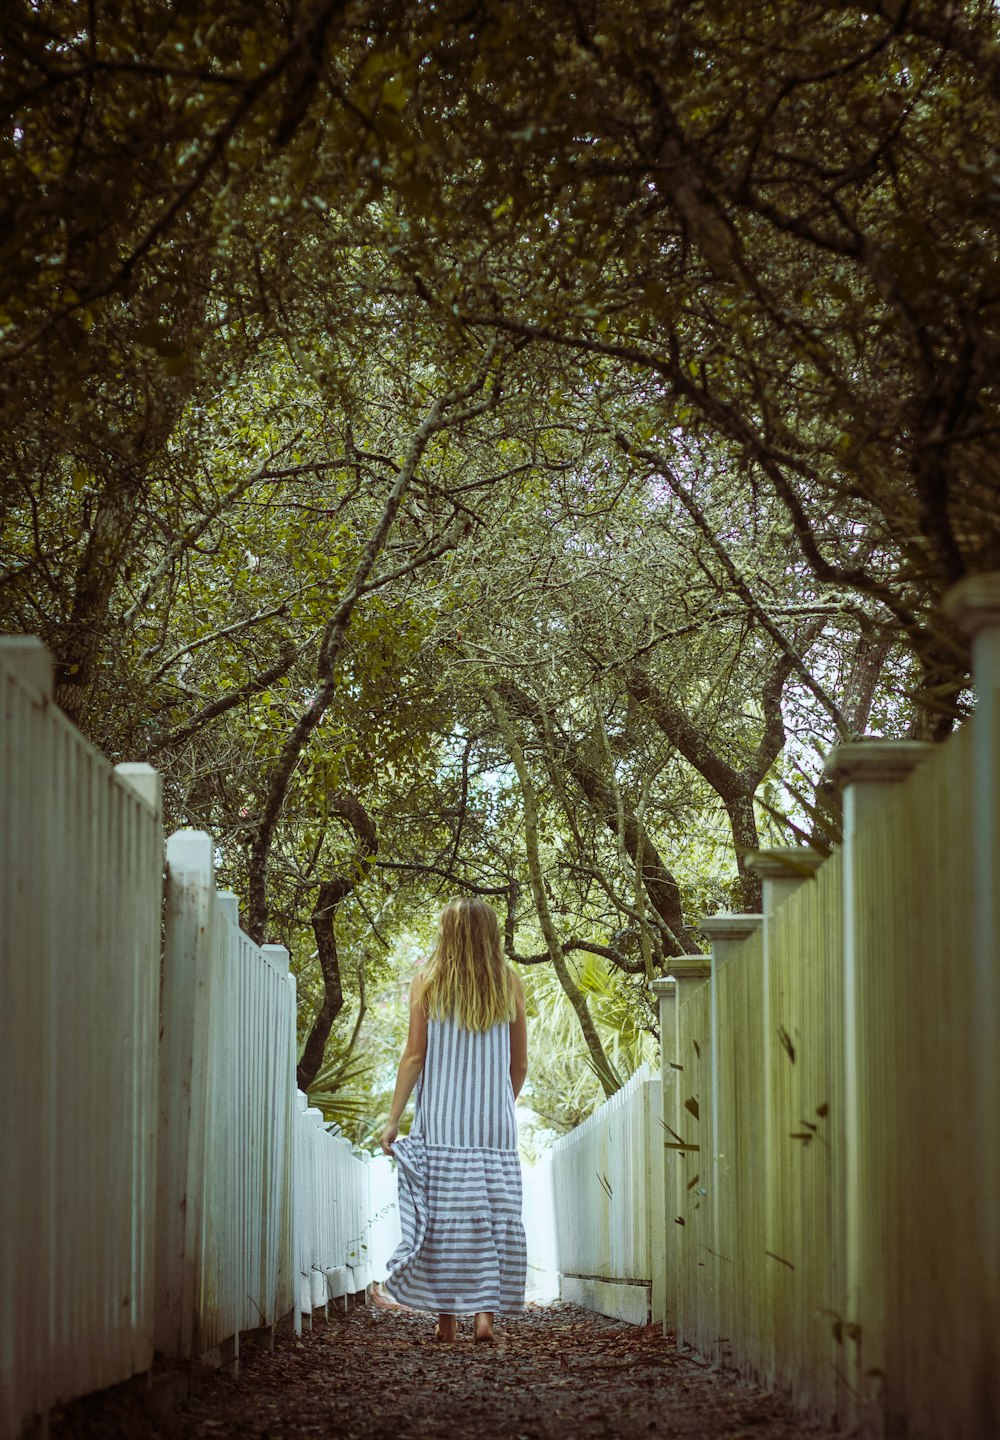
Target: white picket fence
x: 607, y: 1195
x: 333, y: 1213
x: 81, y: 863
x: 828, y: 1133
x: 163, y: 1185
x: 261, y: 1206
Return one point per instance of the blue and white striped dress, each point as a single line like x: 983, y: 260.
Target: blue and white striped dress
x: 460, y: 1179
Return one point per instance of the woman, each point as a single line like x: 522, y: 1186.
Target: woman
x: 459, y: 1176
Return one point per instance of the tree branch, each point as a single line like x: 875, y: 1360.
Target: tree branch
x: 439, y: 416
x: 606, y: 1072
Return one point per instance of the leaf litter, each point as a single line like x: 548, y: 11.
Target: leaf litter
x: 376, y: 1373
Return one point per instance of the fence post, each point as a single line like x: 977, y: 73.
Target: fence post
x: 866, y: 769
x: 278, y: 957
x: 663, y: 1251
x: 283, y: 1225
x: 974, y: 605
x: 688, y: 973
x: 724, y: 932
x: 145, y: 781
x: 654, y: 1196
x: 30, y: 661
x: 305, y: 1185
x: 183, y: 1060
x: 318, y: 1286
x: 782, y: 870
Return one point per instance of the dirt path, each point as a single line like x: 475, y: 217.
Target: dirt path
x: 556, y: 1371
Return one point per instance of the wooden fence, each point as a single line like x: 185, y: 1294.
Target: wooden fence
x: 161, y: 1185
x: 81, y: 861
x: 263, y: 1214
x: 831, y: 1103
x: 335, y: 1210
x: 606, y: 1197
x: 826, y: 1215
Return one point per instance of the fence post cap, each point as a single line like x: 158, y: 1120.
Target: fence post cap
x: 30, y: 661
x: 691, y: 967
x: 144, y: 781
x: 784, y: 862
x: 875, y: 760
x: 190, y: 850
x: 729, y: 927
x: 278, y: 956
x: 974, y: 603
x: 664, y: 985
x: 229, y: 906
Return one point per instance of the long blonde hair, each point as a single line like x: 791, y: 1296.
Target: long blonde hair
x: 467, y: 975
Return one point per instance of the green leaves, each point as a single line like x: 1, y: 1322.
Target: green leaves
x: 768, y: 266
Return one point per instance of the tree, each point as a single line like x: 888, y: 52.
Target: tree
x: 466, y: 456
x: 762, y: 233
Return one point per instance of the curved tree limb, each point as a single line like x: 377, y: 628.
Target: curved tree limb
x: 446, y: 410
x: 331, y: 892
x: 661, y: 886
x: 606, y: 1072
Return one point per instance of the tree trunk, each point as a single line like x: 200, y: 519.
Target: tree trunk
x: 96, y: 576
x: 661, y: 887
x: 606, y: 1073
x: 331, y: 892
x: 324, y: 919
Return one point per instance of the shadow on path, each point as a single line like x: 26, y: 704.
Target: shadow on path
x: 555, y: 1371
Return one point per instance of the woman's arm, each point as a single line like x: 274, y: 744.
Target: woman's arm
x: 411, y: 1063
x: 518, y: 1040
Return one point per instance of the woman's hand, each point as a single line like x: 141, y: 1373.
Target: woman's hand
x: 387, y: 1137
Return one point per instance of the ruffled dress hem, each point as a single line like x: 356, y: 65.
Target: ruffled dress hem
x: 463, y: 1247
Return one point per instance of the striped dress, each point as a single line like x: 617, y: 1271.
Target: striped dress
x: 460, y: 1179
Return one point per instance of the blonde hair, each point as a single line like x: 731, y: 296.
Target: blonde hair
x: 467, y: 975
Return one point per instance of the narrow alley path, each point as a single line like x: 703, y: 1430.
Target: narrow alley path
x: 555, y: 1371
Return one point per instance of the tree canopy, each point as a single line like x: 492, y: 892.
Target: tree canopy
x: 471, y: 454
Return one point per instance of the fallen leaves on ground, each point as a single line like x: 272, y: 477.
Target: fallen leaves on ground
x: 554, y: 1371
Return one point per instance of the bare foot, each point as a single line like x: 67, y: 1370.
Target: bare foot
x: 446, y: 1328
x: 483, y: 1325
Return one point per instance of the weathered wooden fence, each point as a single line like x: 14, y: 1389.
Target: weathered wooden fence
x: 334, y: 1210
x: 832, y: 1104
x: 829, y: 1126
x: 81, y: 863
x: 263, y: 1214
x: 163, y: 1185
x: 607, y: 1194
